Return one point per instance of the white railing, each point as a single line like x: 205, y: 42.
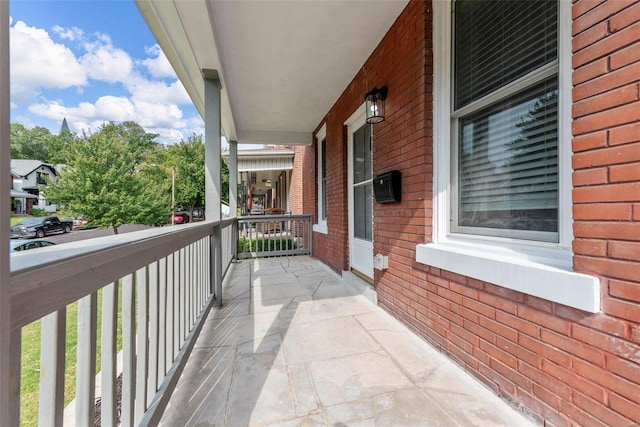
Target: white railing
x: 274, y: 235
x: 156, y: 285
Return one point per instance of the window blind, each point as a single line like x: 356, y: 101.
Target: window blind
x: 497, y: 42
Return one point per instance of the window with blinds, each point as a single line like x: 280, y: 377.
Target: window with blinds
x: 505, y: 119
x: 323, y: 177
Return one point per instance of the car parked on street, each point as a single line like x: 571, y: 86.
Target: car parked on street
x: 40, y: 227
x: 180, y: 218
x: 24, y: 245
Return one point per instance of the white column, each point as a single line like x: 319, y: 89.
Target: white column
x: 213, y: 185
x: 10, y: 391
x: 233, y: 177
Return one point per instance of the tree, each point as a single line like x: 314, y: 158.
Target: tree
x: 187, y: 160
x: 31, y: 144
x: 103, y: 181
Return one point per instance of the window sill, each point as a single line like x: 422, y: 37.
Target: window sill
x: 320, y: 228
x: 519, y: 273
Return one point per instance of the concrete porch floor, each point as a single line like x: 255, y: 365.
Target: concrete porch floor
x: 294, y: 346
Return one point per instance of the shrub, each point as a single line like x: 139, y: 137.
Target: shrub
x: 264, y: 245
x: 37, y: 212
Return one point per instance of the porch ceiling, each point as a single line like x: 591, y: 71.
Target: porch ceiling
x: 282, y: 63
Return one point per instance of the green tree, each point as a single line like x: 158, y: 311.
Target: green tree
x: 187, y: 160
x: 103, y: 179
x: 30, y: 143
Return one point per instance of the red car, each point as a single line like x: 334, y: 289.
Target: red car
x: 180, y: 218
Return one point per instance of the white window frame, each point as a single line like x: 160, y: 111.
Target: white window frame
x: 536, y: 268
x: 321, y: 225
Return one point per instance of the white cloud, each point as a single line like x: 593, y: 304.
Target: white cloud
x: 157, y: 64
x: 106, y: 63
x: 38, y: 63
x: 71, y: 34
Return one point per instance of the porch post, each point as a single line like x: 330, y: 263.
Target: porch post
x: 9, y: 366
x: 213, y: 186
x: 233, y: 192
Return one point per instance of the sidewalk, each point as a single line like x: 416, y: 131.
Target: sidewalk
x: 293, y: 346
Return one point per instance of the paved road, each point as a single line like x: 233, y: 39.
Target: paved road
x: 92, y: 233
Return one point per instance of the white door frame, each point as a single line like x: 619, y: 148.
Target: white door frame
x: 364, y: 264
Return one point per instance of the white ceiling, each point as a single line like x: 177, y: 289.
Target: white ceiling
x: 283, y: 64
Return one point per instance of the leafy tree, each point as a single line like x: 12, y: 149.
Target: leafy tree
x: 31, y: 143
x: 187, y: 160
x: 103, y: 179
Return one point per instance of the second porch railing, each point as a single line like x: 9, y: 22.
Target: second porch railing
x: 274, y: 235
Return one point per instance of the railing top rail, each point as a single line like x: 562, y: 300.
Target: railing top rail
x: 269, y: 217
x: 54, y: 278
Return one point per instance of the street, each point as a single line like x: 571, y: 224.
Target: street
x: 91, y: 233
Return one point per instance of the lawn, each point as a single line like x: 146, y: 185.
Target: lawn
x: 30, y: 376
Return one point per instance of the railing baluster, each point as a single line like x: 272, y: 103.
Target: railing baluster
x: 86, y: 360
x: 108, y: 353
x: 169, y: 315
x: 128, y: 351
x: 52, y: 357
x: 142, y: 347
x: 162, y: 318
x: 177, y: 268
x: 152, y: 385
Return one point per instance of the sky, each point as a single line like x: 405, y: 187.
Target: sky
x: 92, y: 62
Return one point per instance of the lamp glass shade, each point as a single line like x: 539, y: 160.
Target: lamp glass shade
x: 375, y: 105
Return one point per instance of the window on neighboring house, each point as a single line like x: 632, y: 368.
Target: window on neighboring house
x: 505, y: 119
x: 321, y: 139
x: 41, y: 178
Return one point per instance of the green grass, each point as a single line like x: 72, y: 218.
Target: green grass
x: 30, y: 375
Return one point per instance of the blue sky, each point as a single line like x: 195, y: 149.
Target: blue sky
x: 91, y: 62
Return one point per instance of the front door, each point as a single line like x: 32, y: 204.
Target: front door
x: 360, y: 200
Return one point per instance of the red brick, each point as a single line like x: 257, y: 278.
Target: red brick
x: 608, y: 45
x: 499, y: 303
x: 607, y: 156
x: 624, y: 192
x: 590, y: 36
x: 615, y: 345
x: 608, y: 380
x: 625, y: 407
x: 603, y: 212
x: 623, y: 368
x: 601, y: 412
x: 545, y: 351
x: 614, y: 98
x: 590, y: 141
x: 628, y: 113
x: 590, y: 176
x: 625, y: 250
x: 625, y: 290
x: 587, y: 13
x: 590, y: 247
x: 576, y: 382
x: 617, y: 60
x: 611, y: 80
x: 616, y: 269
x: 607, y: 230
x: 625, y: 173
x: 545, y: 320
x: 625, y: 18
x: 574, y: 347
x: 590, y: 71
x: 622, y: 309
x: 625, y: 134
x: 580, y: 417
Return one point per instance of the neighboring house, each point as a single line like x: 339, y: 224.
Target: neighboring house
x: 264, y: 175
x: 28, y: 177
x: 515, y: 247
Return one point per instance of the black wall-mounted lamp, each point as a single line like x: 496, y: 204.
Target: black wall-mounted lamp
x: 375, y: 104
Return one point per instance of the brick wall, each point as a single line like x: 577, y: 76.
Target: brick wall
x: 562, y: 366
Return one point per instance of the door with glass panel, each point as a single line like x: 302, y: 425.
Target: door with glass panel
x: 360, y: 200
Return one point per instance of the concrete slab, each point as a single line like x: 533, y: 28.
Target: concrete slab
x: 294, y: 346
